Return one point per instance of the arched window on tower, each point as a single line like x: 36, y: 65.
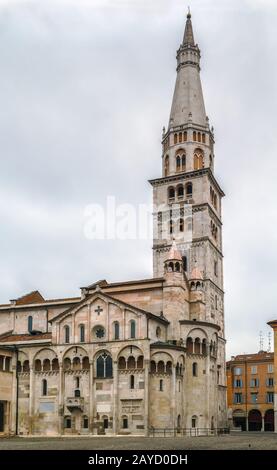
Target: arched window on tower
x: 185, y: 263
x: 198, y: 159
x: 178, y: 163
x: 181, y: 225
x: 175, y: 138
x: 199, y: 137
x: 171, y: 193
x: 180, y: 191
x: 189, y: 189
x: 183, y: 163
x: 194, y: 136
x: 185, y: 136
x: 194, y: 369
x: 180, y: 137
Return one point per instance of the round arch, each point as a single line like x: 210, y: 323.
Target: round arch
x: 71, y: 352
x: 254, y: 420
x: 269, y: 420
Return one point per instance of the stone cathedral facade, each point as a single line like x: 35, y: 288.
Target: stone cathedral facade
x: 126, y: 357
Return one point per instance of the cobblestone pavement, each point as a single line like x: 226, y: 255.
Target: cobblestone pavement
x: 255, y: 441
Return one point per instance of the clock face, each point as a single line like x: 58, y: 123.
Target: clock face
x: 100, y: 332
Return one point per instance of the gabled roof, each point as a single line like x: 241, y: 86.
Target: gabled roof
x: 100, y: 293
x: 34, y: 297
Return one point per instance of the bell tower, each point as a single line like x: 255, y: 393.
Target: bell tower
x: 187, y: 198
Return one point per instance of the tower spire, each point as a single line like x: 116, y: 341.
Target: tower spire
x: 188, y: 101
x: 188, y: 35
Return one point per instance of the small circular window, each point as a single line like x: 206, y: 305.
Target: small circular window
x: 99, y: 332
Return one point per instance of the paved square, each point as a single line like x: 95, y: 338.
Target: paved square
x: 235, y: 441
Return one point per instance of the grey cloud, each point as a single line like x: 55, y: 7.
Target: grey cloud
x: 85, y: 89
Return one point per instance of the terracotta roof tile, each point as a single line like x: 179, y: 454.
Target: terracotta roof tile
x: 30, y: 298
x: 17, y: 338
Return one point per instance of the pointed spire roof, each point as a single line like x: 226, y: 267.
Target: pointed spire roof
x: 188, y: 102
x: 174, y: 253
x: 196, y: 274
x: 188, y: 36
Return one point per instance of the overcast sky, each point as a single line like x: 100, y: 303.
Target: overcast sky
x: 85, y: 89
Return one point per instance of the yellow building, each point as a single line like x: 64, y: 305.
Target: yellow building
x: 250, y: 395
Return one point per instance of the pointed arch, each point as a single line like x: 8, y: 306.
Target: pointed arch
x: 198, y: 159
x: 178, y: 163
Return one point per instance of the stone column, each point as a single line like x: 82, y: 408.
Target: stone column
x: 13, y: 401
x: 208, y: 378
x: 262, y: 423
x: 173, y: 396
x: 61, y: 399
x: 31, y: 399
x: 91, y: 395
x: 115, y: 397
x: 146, y: 396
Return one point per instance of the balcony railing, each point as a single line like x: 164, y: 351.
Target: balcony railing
x: 74, y: 403
x: 192, y: 432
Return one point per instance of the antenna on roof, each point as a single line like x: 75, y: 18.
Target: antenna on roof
x: 261, y: 341
x: 269, y: 342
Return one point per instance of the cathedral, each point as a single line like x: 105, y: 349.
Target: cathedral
x: 125, y: 358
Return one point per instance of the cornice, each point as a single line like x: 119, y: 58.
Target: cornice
x: 188, y: 175
x: 200, y: 323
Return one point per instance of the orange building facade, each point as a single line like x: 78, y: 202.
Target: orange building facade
x: 250, y: 391
x: 273, y: 325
